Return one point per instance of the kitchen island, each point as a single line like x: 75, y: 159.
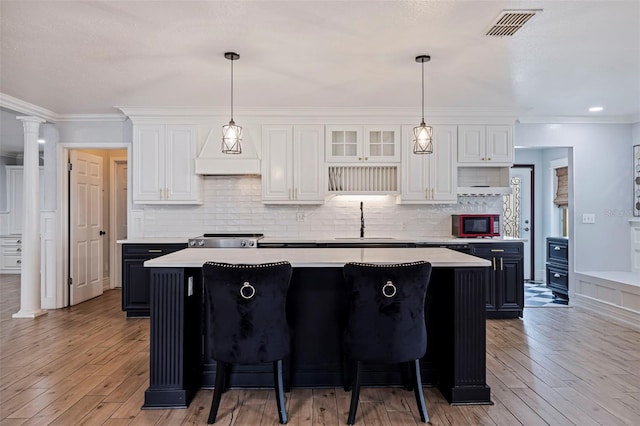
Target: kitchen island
x: 316, y: 309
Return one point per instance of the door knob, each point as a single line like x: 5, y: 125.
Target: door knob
x: 102, y: 232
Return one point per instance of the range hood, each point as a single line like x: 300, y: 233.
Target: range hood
x: 211, y: 161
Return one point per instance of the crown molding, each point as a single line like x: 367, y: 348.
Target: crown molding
x: 115, y: 117
x: 579, y: 119
x: 18, y: 105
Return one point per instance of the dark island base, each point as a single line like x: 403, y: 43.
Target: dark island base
x: 455, y: 361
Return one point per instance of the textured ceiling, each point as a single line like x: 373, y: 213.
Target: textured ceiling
x: 85, y: 57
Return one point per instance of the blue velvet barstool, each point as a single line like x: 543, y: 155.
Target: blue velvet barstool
x: 386, y: 323
x: 246, y: 321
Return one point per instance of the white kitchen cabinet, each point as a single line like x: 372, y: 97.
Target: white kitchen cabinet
x: 15, y: 188
x: 292, y: 166
x: 430, y: 178
x: 163, y: 165
x: 485, y: 145
x: 10, y: 254
x: 356, y: 144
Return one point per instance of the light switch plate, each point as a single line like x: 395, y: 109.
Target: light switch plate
x: 588, y: 218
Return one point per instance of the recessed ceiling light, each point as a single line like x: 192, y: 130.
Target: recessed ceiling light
x: 596, y: 109
x: 41, y: 141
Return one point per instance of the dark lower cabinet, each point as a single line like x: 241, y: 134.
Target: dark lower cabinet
x: 504, y: 291
x: 558, y: 266
x: 135, y: 277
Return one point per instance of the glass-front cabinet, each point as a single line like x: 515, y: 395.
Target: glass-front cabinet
x: 354, y: 144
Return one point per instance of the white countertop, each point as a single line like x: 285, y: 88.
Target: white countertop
x: 316, y: 257
x: 155, y: 240
x: 391, y: 240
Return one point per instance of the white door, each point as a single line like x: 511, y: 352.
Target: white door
x: 85, y: 223
x: 518, y: 216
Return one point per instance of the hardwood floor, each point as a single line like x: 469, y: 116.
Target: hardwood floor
x: 88, y: 365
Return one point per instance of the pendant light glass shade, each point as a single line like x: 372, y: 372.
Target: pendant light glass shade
x: 423, y: 134
x: 231, y: 134
x: 423, y: 139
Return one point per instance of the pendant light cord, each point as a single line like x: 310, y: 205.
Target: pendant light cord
x: 232, y: 90
x: 422, y: 93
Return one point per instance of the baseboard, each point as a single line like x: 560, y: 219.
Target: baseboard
x: 106, y: 283
x: 608, y: 310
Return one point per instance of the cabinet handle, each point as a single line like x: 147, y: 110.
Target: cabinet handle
x: 154, y: 250
x: 497, y: 250
x: 556, y: 248
x: 493, y: 261
x: 18, y: 249
x: 359, y: 158
x: 366, y: 158
x: 482, y: 159
x: 166, y: 193
x: 426, y: 193
x: 19, y: 241
x: 501, y: 264
x: 295, y: 194
x: 489, y: 159
x: 432, y: 192
x: 19, y: 261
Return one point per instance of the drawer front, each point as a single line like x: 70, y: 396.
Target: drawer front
x: 17, y: 250
x: 149, y: 251
x: 557, y: 251
x: 11, y: 262
x: 488, y: 250
x: 557, y: 279
x: 10, y: 241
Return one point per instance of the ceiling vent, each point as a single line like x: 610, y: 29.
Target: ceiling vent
x: 510, y: 21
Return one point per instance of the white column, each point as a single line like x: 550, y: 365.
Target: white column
x: 30, y: 280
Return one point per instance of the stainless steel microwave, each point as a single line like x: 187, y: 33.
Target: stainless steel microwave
x: 475, y: 225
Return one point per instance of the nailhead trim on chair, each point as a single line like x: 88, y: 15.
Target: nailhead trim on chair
x: 242, y: 266
x: 387, y: 265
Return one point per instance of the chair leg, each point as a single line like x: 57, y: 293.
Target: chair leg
x: 355, y: 396
x: 279, y: 385
x: 417, y: 390
x: 347, y: 379
x: 217, y: 391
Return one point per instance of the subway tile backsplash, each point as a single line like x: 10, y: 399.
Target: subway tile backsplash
x: 232, y: 204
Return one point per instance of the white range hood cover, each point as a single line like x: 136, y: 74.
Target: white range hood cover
x: 211, y: 160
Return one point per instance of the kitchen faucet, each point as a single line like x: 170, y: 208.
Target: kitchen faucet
x: 361, y: 221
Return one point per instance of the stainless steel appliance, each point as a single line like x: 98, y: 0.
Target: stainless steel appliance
x: 475, y: 225
x: 226, y: 241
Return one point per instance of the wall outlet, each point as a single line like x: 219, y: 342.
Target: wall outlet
x: 588, y: 218
x: 300, y: 216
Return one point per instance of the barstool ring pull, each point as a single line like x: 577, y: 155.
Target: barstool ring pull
x: 389, y: 289
x: 250, y: 288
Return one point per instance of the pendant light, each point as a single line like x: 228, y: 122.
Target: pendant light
x: 423, y: 134
x: 231, y: 134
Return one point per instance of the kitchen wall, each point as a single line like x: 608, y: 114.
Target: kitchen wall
x: 601, y: 175
x: 232, y: 204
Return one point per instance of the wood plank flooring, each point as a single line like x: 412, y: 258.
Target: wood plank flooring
x: 88, y: 365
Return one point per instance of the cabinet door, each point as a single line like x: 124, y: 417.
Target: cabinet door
x: 510, y: 286
x: 308, y: 170
x: 443, y: 172
x: 415, y: 173
x: 181, y: 182
x: 135, y: 294
x: 471, y: 144
x: 277, y: 161
x: 344, y: 144
x: 499, y: 147
x: 381, y: 144
x: 148, y: 163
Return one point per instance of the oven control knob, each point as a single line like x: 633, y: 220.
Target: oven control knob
x: 192, y: 243
x: 252, y: 243
x: 201, y: 243
x: 243, y: 243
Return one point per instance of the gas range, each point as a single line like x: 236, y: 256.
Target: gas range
x: 225, y: 241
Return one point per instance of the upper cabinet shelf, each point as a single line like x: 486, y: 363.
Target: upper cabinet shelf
x: 485, y: 146
x: 358, y: 144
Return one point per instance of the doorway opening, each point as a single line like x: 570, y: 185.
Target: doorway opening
x: 95, y: 218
